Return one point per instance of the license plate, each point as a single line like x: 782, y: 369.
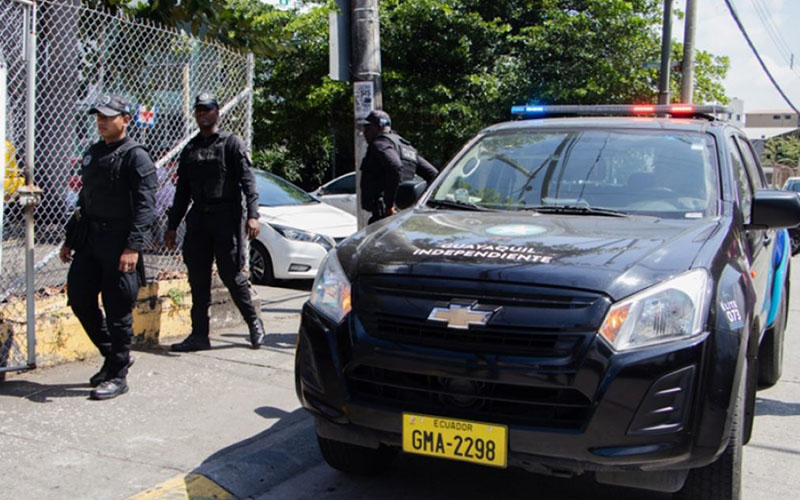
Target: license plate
x: 464, y: 440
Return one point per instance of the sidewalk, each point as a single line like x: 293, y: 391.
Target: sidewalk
x: 182, y: 414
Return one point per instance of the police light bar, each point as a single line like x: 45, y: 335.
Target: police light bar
x: 673, y: 110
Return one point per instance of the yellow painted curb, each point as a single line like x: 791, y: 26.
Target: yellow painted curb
x: 162, y: 310
x: 186, y: 487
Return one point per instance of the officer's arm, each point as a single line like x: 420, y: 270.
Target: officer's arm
x: 426, y: 170
x: 180, y: 202
x: 247, y: 179
x: 143, y: 182
x: 392, y: 167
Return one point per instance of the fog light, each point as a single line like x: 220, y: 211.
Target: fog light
x: 298, y: 268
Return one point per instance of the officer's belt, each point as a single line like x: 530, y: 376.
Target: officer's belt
x: 107, y: 224
x: 208, y: 208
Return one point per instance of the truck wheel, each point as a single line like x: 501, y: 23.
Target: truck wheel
x: 721, y: 479
x: 770, y: 352
x: 355, y: 459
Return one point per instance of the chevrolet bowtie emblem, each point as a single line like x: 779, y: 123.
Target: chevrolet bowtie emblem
x: 460, y: 316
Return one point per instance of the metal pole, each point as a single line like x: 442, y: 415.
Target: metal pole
x: 187, y: 100
x: 687, y: 71
x: 666, y: 41
x: 3, y: 72
x: 366, y: 75
x: 30, y: 207
x: 248, y: 139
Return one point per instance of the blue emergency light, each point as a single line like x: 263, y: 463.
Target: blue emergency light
x: 672, y: 110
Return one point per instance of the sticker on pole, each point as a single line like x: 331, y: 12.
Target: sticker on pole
x: 146, y: 117
x: 364, y: 98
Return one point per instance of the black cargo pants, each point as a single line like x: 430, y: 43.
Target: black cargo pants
x: 209, y: 236
x: 95, y: 269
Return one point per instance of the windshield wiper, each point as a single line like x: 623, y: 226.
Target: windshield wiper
x: 459, y: 205
x: 576, y: 210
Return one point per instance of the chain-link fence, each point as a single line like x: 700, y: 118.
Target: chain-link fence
x: 80, y: 54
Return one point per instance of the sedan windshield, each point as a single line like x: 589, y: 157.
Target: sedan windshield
x: 661, y: 173
x: 275, y: 192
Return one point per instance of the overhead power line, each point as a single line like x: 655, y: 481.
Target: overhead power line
x: 775, y: 35
x: 758, y: 56
x: 772, y: 30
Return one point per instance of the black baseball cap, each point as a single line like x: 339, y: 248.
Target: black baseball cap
x: 379, y: 117
x: 111, y: 105
x: 206, y: 100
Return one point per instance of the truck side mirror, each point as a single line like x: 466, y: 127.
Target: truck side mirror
x: 408, y: 193
x: 774, y: 209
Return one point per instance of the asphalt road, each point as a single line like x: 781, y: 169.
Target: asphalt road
x: 231, y: 415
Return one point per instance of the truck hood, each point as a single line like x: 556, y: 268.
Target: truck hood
x: 616, y: 256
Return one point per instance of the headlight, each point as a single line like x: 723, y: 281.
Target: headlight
x: 291, y: 233
x: 330, y: 294
x: 669, y: 311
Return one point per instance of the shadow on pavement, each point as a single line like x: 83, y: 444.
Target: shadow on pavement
x: 259, y: 463
x: 43, y: 393
x: 766, y: 406
x: 276, y: 464
x: 281, y: 340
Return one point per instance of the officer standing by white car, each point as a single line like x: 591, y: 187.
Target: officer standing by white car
x: 214, y: 173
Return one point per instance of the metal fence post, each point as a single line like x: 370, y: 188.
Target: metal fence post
x: 249, y: 112
x: 3, y: 71
x: 30, y: 205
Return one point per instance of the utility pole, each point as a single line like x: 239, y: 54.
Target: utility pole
x: 666, y: 42
x: 687, y: 71
x: 366, y: 76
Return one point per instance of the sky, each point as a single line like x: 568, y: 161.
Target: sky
x: 718, y: 34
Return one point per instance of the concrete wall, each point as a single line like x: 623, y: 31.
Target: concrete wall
x: 161, y: 312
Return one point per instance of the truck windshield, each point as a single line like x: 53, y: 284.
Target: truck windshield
x: 661, y: 173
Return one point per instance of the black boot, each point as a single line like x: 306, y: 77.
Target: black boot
x: 102, y: 375
x: 257, y: 333
x: 192, y: 343
x: 110, y: 389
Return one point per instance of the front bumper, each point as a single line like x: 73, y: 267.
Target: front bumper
x: 597, y: 410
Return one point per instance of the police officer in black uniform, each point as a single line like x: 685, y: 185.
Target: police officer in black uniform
x: 115, y: 209
x: 390, y: 159
x: 214, y: 172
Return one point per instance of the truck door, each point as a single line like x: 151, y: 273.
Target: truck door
x: 758, y: 242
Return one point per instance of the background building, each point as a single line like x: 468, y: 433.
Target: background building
x: 772, y: 118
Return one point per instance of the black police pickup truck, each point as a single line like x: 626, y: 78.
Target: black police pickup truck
x: 582, y: 294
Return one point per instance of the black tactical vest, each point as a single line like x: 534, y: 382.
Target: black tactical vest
x: 210, y: 181
x: 408, y: 155
x: 373, y: 178
x: 106, y: 187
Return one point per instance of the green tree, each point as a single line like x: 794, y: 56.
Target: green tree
x: 301, y: 117
x: 783, y: 150
x: 232, y: 22
x: 450, y: 68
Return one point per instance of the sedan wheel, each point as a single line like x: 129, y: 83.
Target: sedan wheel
x: 260, y: 265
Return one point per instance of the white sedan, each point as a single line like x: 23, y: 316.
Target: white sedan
x: 340, y: 193
x: 297, y: 230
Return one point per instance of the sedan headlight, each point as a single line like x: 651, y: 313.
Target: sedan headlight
x: 330, y: 294
x: 669, y: 311
x: 291, y: 233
